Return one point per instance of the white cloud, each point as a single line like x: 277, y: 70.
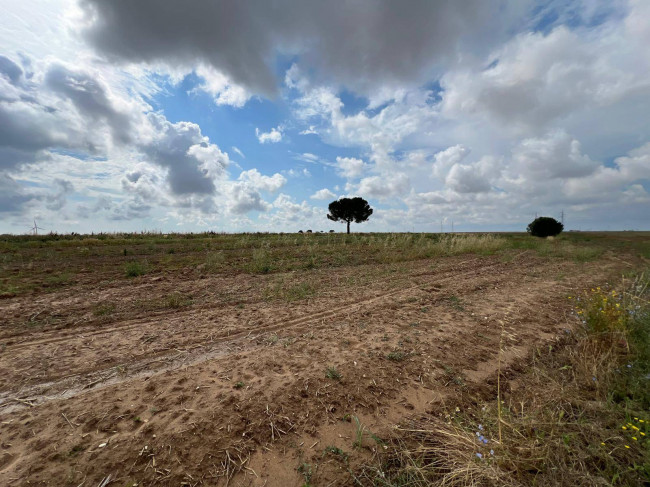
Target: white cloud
x: 222, y: 89
x: 473, y: 178
x: 605, y: 182
x: 261, y: 182
x: 384, y: 187
x: 536, y: 78
x: 323, y: 194
x: 350, y: 167
x: 309, y: 130
x: 555, y: 156
x: 244, y: 198
x: 308, y: 157
x: 244, y: 195
x: 237, y: 151
x: 286, y: 214
x: 272, y: 137
x: 446, y: 159
x: 193, y: 163
x: 294, y: 173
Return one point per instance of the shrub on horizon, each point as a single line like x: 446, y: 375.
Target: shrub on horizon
x: 545, y: 226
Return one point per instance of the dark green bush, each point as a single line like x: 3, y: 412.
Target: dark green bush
x: 545, y: 226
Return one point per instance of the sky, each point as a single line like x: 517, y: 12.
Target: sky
x: 232, y: 116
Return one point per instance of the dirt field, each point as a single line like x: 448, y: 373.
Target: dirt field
x: 182, y: 376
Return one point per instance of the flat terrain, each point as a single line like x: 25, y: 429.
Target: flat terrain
x: 241, y: 360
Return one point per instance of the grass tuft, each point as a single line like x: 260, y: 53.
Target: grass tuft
x: 397, y: 356
x: 135, y: 268
x: 333, y: 373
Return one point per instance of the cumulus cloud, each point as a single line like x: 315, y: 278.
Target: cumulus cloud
x: 244, y: 198
x: 260, y: 182
x: 446, y: 159
x: 244, y: 195
x: 59, y: 108
x: 350, y: 167
x: 384, y: 187
x: 223, y: 91
x: 605, y: 181
x: 556, y: 156
x: 272, y: 137
x: 241, y: 39
x: 12, y: 195
x: 473, y: 178
x: 288, y: 213
x: 537, y: 78
x: 323, y: 194
x: 58, y: 200
x: 91, y: 99
x: 193, y: 163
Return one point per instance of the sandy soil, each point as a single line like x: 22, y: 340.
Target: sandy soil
x: 228, y: 384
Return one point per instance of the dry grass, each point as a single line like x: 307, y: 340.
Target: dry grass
x: 577, y: 416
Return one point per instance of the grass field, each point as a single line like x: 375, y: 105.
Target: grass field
x: 324, y: 359
x: 31, y: 263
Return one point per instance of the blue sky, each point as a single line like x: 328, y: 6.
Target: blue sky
x: 251, y: 116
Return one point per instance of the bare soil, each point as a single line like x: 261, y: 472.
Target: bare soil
x: 212, y: 380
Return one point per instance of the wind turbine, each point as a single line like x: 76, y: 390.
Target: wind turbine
x: 36, y: 228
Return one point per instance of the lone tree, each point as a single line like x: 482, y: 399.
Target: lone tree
x: 545, y: 226
x: 349, y: 209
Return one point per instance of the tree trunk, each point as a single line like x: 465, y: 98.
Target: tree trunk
x: 348, y: 227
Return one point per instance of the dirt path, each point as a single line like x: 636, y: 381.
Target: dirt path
x: 236, y: 380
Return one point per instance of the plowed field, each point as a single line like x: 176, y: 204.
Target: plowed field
x: 188, y: 377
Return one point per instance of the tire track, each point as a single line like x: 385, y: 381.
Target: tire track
x: 139, y: 322
x: 150, y: 365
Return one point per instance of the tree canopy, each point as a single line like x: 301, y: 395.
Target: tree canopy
x: 349, y: 210
x: 545, y: 226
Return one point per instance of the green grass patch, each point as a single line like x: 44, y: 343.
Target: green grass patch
x: 333, y: 373
x: 397, y: 356
x: 104, y: 309
x: 135, y: 268
x: 175, y: 300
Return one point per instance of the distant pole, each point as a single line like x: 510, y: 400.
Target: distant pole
x: 535, y: 215
x: 562, y: 217
x: 440, y: 226
x: 452, y: 226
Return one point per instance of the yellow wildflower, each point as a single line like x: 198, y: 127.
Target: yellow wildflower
x: 626, y: 446
x: 634, y: 438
